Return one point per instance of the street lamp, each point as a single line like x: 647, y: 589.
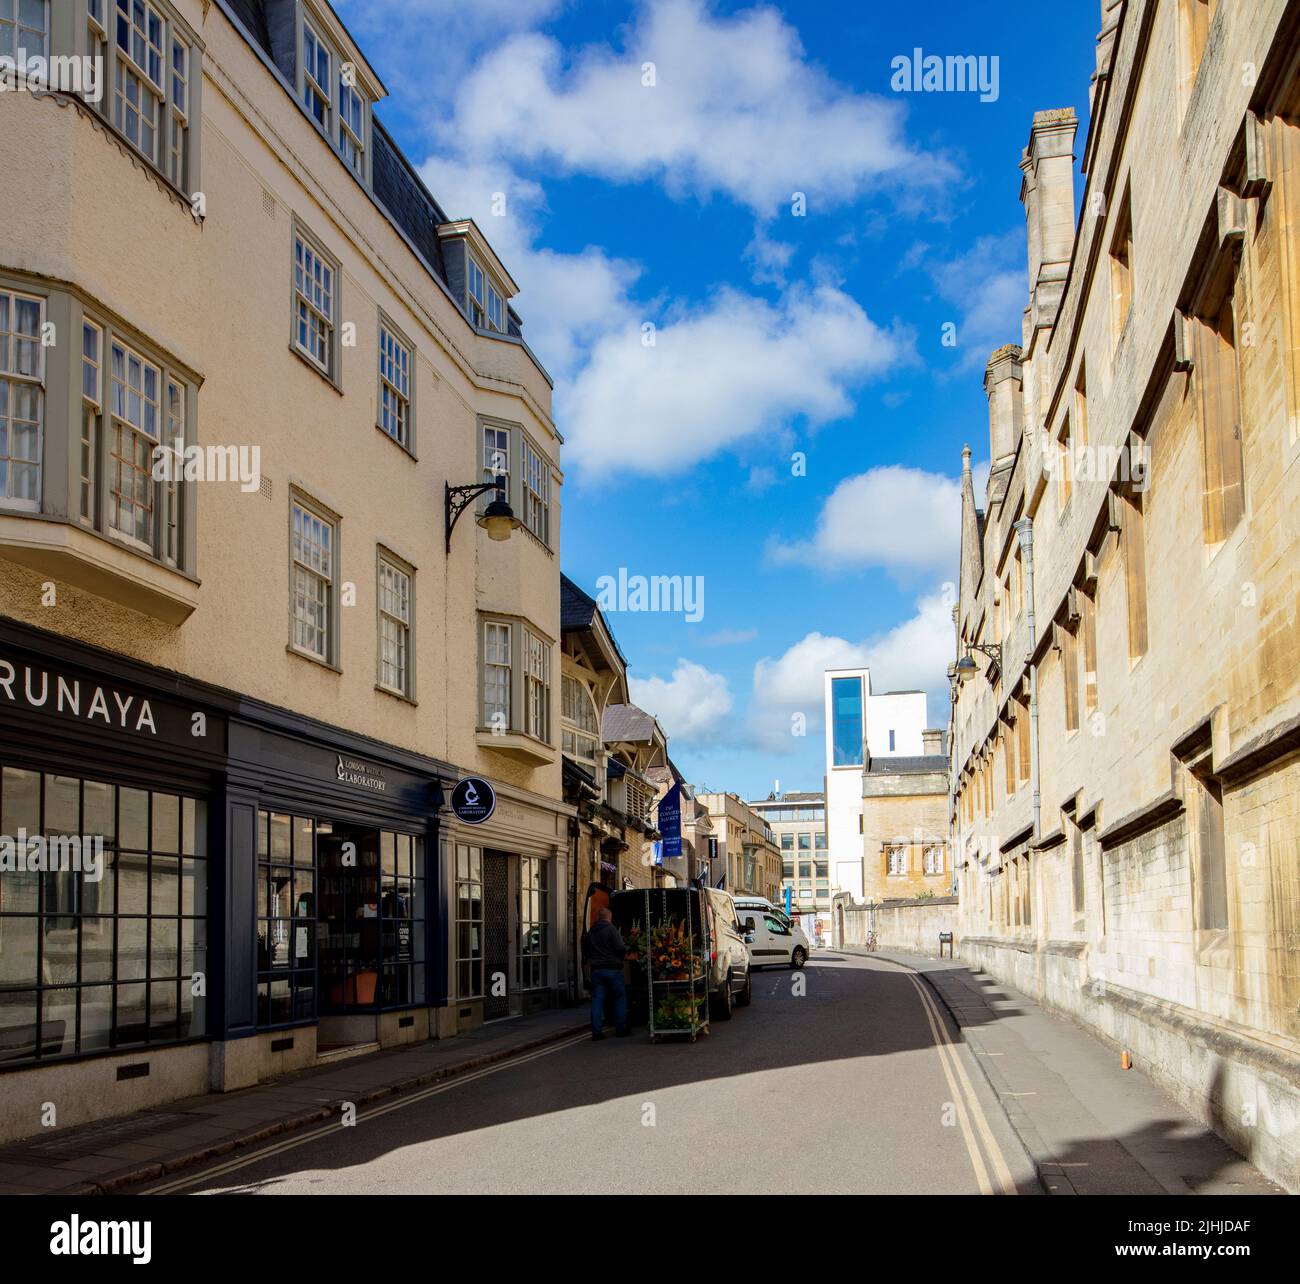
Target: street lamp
x: 498, y: 518
x: 966, y: 667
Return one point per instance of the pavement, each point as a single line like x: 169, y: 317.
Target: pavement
x: 1090, y: 1126
x: 114, y: 1155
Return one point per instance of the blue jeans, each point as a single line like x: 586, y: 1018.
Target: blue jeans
x: 606, y: 981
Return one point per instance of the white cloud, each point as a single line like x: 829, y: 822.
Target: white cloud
x: 987, y: 286
x: 566, y: 300
x: 768, y: 258
x: 913, y: 655
x: 719, y: 374
x: 692, y: 706
x: 735, y: 108
x: 902, y: 519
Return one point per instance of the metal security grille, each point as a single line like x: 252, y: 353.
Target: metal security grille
x: 496, y: 935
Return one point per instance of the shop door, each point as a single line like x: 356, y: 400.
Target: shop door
x: 498, y: 991
x: 348, y: 942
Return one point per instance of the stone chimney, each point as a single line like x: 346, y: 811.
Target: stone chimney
x: 932, y: 741
x: 1002, y: 383
x: 1047, y: 193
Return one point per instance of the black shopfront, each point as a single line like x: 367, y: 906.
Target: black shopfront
x: 99, y: 753
x: 260, y: 870
x: 333, y: 874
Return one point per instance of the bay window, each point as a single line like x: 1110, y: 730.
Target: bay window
x: 580, y: 732
x: 140, y: 88
x: 537, y: 492
x: 100, y: 445
x: 24, y: 28
x: 22, y: 399
x: 134, y: 435
x: 516, y: 679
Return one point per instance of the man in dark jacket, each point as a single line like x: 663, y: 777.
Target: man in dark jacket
x: 602, y: 952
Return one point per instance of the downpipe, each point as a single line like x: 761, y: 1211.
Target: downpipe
x: 1024, y: 529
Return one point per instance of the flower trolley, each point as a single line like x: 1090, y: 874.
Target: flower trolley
x: 676, y: 965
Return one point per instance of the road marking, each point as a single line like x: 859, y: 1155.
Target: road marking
x: 330, y: 1126
x: 946, y: 1048
x: 981, y: 1120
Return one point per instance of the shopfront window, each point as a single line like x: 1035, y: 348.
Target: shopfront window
x: 340, y: 918
x: 105, y: 949
x: 469, y: 921
x: 534, y: 922
x: 370, y: 917
x: 286, y: 919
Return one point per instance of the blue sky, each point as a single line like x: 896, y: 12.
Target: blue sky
x: 663, y: 196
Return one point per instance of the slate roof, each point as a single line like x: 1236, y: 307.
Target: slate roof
x: 395, y: 184
x: 577, y: 610
x: 905, y: 766
x: 626, y: 722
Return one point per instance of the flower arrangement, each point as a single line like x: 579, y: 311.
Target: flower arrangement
x: 679, y: 1012
x: 635, y: 942
x: 673, y: 952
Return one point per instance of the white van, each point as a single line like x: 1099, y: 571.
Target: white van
x: 772, y: 937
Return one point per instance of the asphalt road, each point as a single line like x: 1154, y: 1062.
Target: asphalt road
x: 859, y: 1085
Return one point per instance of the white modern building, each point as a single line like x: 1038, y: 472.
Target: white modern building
x: 861, y: 726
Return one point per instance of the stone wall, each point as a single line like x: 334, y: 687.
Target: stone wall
x: 912, y: 926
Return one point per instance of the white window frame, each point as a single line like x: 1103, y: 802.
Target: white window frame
x: 312, y: 84
x: 396, y: 382
x: 315, y: 304
x: 896, y: 861
x: 127, y: 63
x: 308, y: 567
x: 178, y: 113
x: 537, y: 686
x: 934, y: 859
x: 535, y: 487
x: 121, y: 425
x: 496, y: 439
x: 395, y: 601
x: 575, y: 700
x: 352, y: 140
x: 10, y: 13
x: 92, y: 419
x: 524, y: 668
x: 498, y: 664
x: 33, y: 382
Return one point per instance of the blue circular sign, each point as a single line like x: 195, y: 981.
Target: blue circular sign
x: 473, y: 800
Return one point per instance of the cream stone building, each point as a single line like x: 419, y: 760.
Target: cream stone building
x: 259, y: 693
x: 905, y: 824
x: 1126, y: 725
x: 748, y: 858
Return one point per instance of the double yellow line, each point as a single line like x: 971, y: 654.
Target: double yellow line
x: 963, y: 1096
x: 332, y: 1125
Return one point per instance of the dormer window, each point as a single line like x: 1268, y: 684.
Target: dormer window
x: 485, y: 303
x: 316, y: 75
x: 330, y: 84
x: 352, y: 129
